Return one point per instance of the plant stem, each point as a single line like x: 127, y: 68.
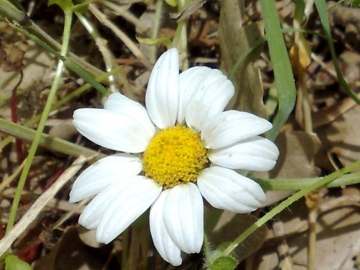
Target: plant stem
x: 297, y: 184
x: 156, y: 27
x: 286, y: 203
x: 180, y: 39
x: 44, y: 117
x: 28, y: 134
x: 46, y: 141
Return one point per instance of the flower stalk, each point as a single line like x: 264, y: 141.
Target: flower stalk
x: 44, y: 117
x: 286, y: 203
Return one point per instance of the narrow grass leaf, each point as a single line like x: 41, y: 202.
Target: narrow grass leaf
x: 322, y: 10
x: 284, y: 77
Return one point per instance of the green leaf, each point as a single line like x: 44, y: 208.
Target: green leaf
x: 224, y: 263
x: 172, y: 3
x: 14, y: 263
x: 153, y: 41
x: 83, y: 7
x: 322, y: 10
x: 271, y: 102
x: 354, y: 3
x: 63, y: 4
x: 284, y: 77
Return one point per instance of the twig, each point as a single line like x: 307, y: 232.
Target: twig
x: 120, y: 34
x: 39, y: 204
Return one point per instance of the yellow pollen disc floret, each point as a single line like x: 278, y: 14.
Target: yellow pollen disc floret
x: 173, y: 156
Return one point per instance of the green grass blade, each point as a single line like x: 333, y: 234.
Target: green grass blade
x: 46, y: 141
x: 322, y: 10
x: 284, y: 77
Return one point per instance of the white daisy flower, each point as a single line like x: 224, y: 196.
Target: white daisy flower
x: 186, y: 148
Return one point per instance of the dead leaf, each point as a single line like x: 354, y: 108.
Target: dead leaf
x: 340, y: 137
x: 12, y: 56
x: 230, y: 226
x: 13, y: 46
x: 337, y: 235
x: 194, y: 6
x: 344, y: 15
x: 235, y: 39
x: 297, y: 151
x: 201, y: 32
x: 70, y: 253
x: 300, y: 54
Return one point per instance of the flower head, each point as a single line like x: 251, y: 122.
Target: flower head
x: 186, y: 148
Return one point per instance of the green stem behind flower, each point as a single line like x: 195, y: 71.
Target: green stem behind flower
x: 297, y: 184
x: 26, y: 134
x: 21, y: 22
x: 44, y: 117
x: 68, y: 148
x: 156, y: 28
x: 322, y: 10
x: 70, y: 64
x: 180, y: 38
x: 46, y: 141
x: 286, y: 203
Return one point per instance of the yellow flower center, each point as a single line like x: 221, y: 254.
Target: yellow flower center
x: 174, y: 155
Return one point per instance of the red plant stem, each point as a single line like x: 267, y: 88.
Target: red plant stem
x: 19, y: 150
x: 53, y: 178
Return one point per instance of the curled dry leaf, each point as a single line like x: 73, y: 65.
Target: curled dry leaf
x: 194, y: 6
x: 340, y: 137
x: 12, y: 56
x: 235, y: 39
x: 12, y: 49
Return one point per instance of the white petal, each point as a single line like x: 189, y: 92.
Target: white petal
x: 112, y: 130
x: 255, y: 154
x: 161, y: 238
x: 189, y: 81
x: 103, y: 173
x: 93, y: 212
x: 131, y: 201
x: 203, y: 96
x: 120, y: 104
x: 162, y: 95
x: 228, y: 190
x: 184, y: 217
x: 230, y: 127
